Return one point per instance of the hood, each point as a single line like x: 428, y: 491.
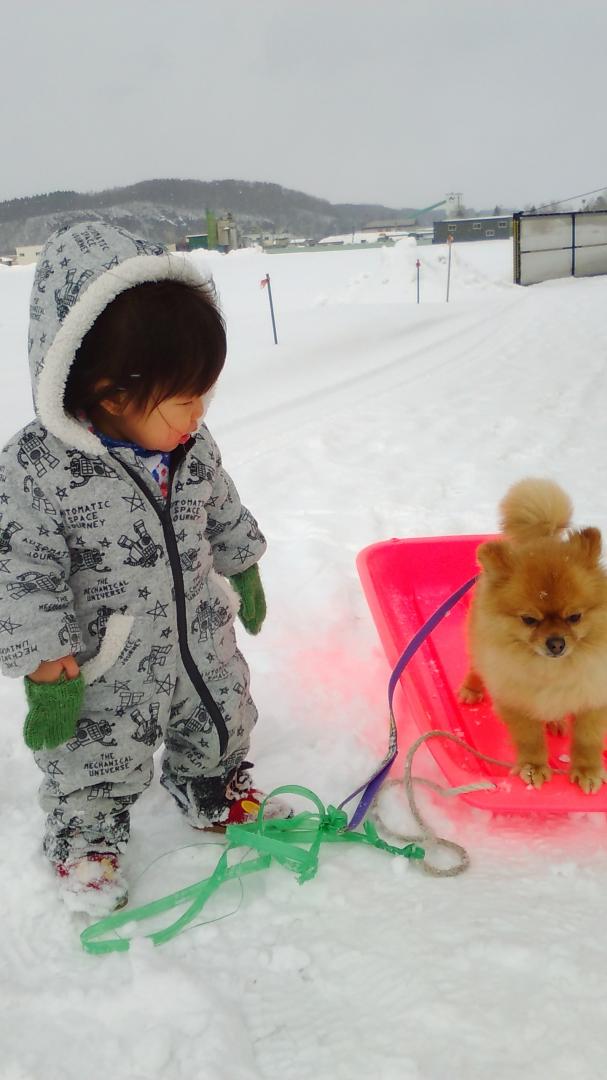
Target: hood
x: 80, y: 270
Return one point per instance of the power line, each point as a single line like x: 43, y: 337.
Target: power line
x: 559, y: 202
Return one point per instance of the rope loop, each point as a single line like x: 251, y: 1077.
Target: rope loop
x: 292, y: 842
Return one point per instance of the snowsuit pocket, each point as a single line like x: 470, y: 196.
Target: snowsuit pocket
x: 115, y: 638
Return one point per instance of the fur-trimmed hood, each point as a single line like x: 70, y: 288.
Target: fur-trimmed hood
x: 81, y: 269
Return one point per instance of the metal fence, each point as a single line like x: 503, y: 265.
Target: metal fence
x: 559, y: 245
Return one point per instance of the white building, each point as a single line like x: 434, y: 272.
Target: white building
x: 27, y: 254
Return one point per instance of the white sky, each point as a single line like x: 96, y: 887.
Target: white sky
x: 392, y: 101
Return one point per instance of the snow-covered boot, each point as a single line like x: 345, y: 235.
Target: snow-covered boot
x: 93, y: 883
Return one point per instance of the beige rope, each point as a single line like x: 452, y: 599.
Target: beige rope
x: 427, y: 835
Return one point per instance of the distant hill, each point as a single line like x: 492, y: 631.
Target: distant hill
x: 165, y: 210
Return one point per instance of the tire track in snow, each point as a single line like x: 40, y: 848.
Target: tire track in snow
x: 278, y: 424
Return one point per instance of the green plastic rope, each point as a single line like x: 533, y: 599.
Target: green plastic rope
x: 293, y: 842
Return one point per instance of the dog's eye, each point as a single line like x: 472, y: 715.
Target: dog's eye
x: 574, y: 618
x: 529, y: 620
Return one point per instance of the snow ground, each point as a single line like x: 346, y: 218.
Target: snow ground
x: 374, y: 417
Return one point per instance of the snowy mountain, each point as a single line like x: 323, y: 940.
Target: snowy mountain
x: 167, y: 209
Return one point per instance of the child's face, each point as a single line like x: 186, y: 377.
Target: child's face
x: 161, y: 427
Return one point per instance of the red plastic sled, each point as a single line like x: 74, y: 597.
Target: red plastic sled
x: 405, y: 581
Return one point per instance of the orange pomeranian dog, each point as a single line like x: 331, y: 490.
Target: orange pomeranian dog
x: 538, y: 632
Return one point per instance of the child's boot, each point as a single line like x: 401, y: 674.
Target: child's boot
x: 92, y: 883
x: 214, y: 804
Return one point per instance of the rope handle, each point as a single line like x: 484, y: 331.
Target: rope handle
x: 428, y: 837
x: 293, y: 842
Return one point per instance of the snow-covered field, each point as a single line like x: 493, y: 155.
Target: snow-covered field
x: 375, y: 417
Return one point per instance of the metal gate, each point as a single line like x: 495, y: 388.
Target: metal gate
x: 559, y: 245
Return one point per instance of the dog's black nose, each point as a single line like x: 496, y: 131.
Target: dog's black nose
x: 555, y: 645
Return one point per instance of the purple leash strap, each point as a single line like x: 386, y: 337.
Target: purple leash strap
x: 371, y: 786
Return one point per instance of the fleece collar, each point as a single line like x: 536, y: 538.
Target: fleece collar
x: 81, y: 269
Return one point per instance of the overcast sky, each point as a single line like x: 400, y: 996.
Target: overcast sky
x: 391, y: 101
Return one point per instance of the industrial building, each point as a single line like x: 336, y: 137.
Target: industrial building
x: 474, y: 228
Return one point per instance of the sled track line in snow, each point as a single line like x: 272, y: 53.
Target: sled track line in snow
x: 278, y: 422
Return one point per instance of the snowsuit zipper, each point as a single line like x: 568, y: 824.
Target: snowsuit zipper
x: 164, y: 516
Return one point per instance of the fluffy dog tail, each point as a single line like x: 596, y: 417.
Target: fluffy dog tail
x: 534, y: 508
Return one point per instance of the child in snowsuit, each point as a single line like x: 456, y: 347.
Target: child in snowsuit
x: 125, y: 555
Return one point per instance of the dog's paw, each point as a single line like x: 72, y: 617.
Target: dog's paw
x: 557, y: 727
x: 532, y: 772
x: 589, y: 778
x: 470, y: 695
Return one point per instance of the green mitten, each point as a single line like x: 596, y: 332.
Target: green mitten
x: 252, y: 599
x: 54, y: 711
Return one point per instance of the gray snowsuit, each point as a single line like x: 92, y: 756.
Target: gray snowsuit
x: 94, y: 562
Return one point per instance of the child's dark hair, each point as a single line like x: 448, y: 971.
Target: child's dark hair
x: 154, y: 341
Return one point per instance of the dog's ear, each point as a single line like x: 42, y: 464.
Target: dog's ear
x: 587, y: 543
x: 496, y: 559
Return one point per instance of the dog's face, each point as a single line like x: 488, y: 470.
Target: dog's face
x: 547, y: 597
